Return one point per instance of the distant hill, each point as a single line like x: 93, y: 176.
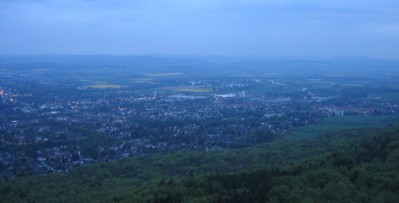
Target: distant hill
x: 198, y: 63
x: 99, y: 61
x: 348, y: 166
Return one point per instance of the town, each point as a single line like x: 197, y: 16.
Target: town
x: 53, y: 125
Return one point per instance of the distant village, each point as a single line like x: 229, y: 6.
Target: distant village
x: 49, y: 127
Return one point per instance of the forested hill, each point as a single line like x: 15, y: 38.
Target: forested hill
x: 349, y: 166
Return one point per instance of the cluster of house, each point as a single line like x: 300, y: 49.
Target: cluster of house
x: 57, y: 133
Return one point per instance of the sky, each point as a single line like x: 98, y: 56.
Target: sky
x: 273, y: 28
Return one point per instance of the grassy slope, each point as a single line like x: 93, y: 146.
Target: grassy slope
x: 336, y: 124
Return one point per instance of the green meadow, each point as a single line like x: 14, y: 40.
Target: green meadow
x: 163, y: 74
x: 105, y: 86
x: 336, y: 124
x: 193, y: 89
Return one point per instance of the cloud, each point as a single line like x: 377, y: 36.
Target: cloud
x: 384, y: 30
x: 285, y: 27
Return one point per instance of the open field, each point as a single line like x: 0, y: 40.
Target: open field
x: 353, y: 85
x: 390, y: 96
x: 105, y: 86
x: 335, y: 75
x: 273, y: 74
x: 163, y: 74
x: 242, y: 75
x: 324, y: 82
x: 41, y: 70
x: 194, y: 89
x: 141, y: 81
x: 334, y: 124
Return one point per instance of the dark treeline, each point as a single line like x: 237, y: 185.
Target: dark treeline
x: 349, y: 166
x: 366, y: 171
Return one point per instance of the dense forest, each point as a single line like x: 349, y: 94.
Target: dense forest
x: 359, y: 165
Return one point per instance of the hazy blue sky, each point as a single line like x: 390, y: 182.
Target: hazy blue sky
x: 206, y: 27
